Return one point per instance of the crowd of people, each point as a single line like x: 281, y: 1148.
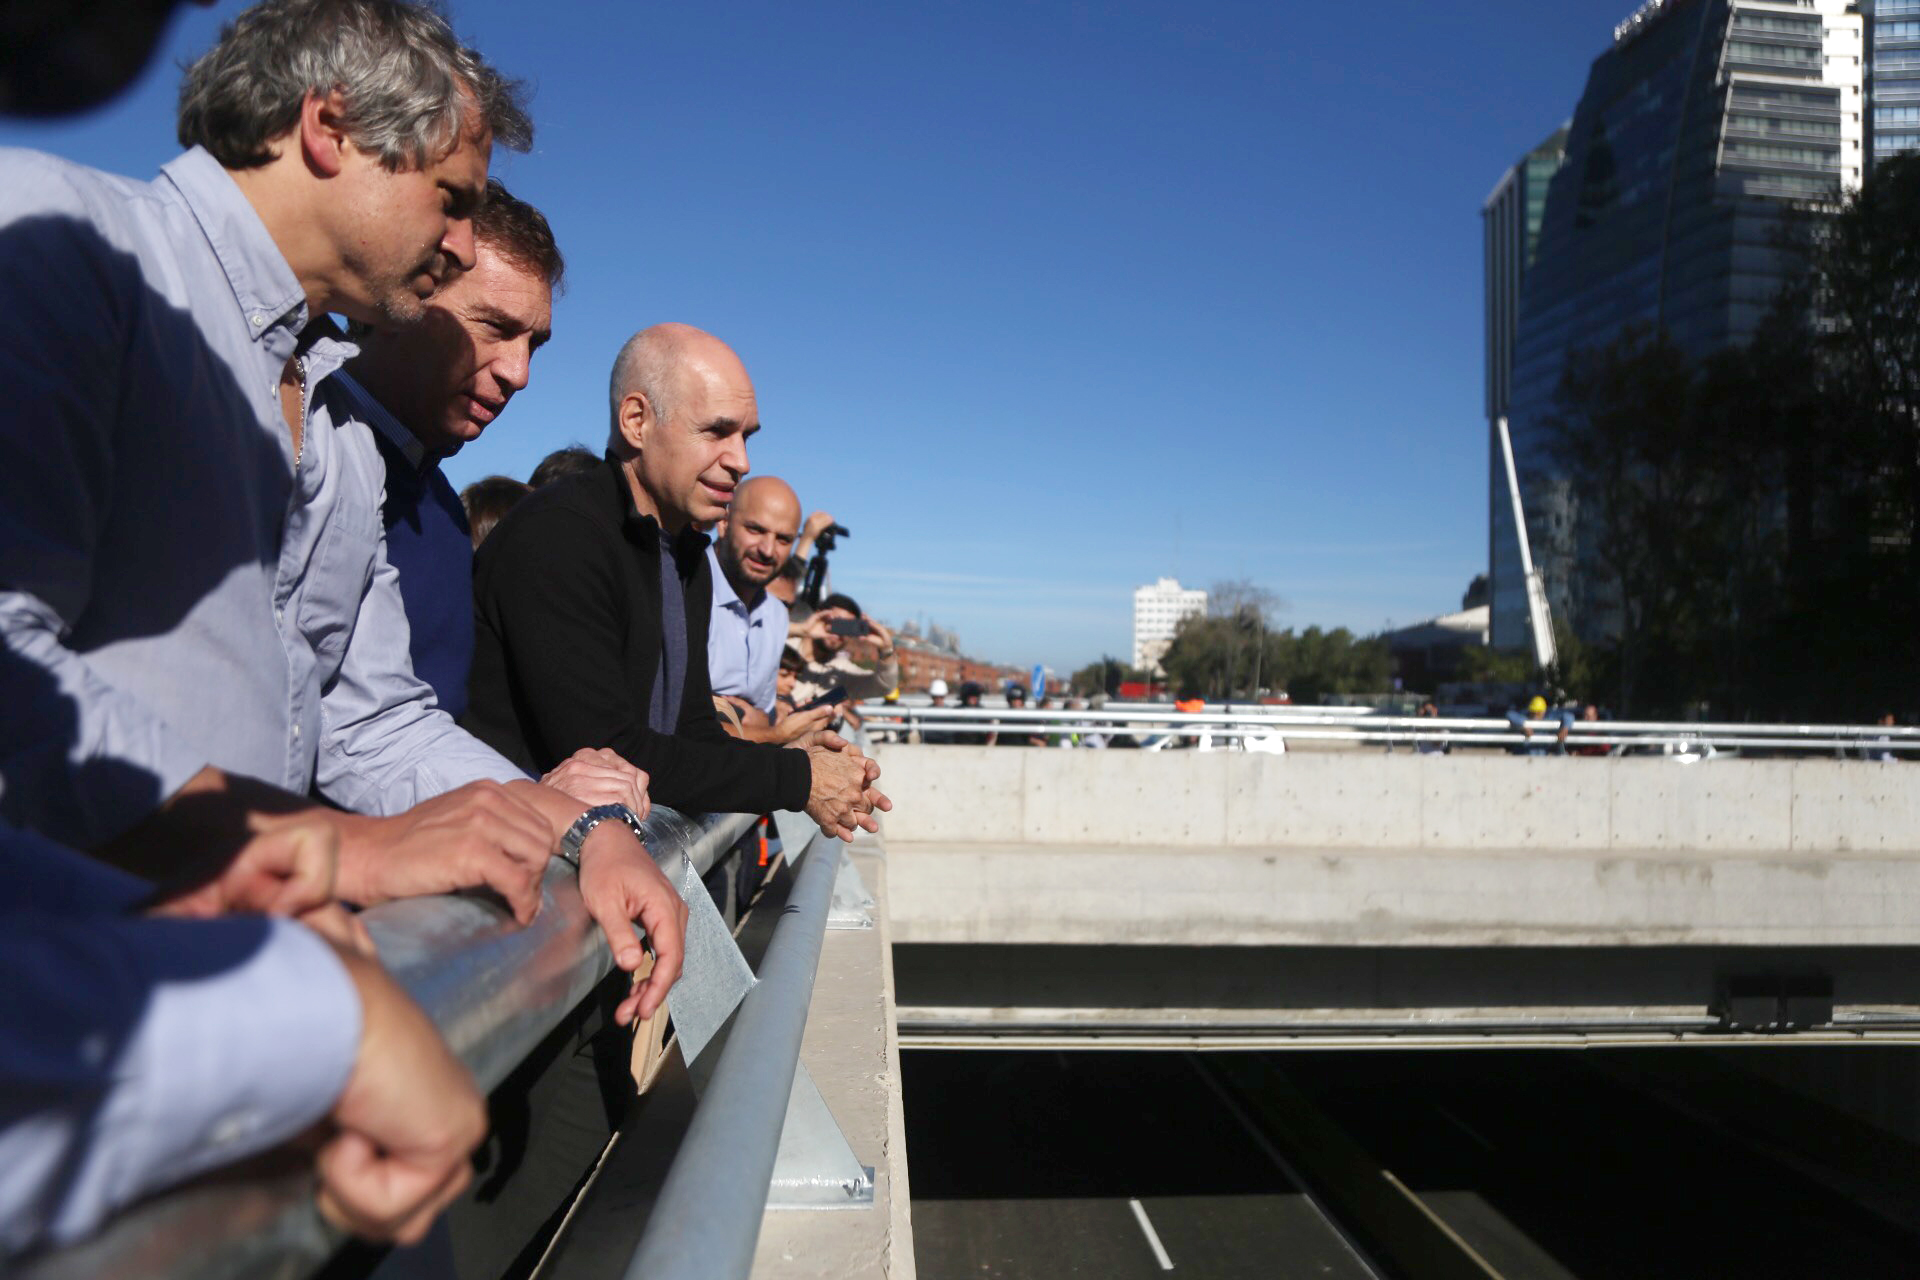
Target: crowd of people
x: 263, y: 666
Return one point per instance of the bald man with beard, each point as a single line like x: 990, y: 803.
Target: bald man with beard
x: 748, y: 627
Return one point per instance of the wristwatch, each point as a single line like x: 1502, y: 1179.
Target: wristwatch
x: 584, y: 824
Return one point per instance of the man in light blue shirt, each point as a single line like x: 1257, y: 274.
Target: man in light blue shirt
x: 198, y: 625
x: 137, y: 1052
x: 749, y: 627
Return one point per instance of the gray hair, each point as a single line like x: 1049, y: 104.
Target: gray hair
x: 410, y: 87
x: 647, y: 364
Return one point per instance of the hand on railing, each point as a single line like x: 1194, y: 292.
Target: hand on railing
x: 597, y: 775
x: 287, y: 870
x: 405, y: 1125
x: 842, y: 797
x: 481, y: 834
x: 621, y: 884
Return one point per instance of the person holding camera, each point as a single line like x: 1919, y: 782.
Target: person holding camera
x: 828, y: 641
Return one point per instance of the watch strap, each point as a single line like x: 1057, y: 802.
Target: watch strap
x: 576, y: 836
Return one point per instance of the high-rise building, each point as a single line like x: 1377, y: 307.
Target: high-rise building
x: 1893, y: 77
x: 1698, y: 128
x: 1157, y: 611
x: 1510, y: 227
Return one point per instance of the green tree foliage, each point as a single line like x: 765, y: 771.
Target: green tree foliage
x: 1233, y: 651
x: 1103, y: 676
x: 1747, y: 522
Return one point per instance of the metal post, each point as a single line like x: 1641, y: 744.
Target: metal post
x: 1538, y: 618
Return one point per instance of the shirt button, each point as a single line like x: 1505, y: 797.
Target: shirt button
x: 232, y: 1128
x: 279, y: 614
x: 296, y: 733
x: 258, y: 321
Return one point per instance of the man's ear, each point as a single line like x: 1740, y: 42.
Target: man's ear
x: 322, y: 133
x: 636, y: 420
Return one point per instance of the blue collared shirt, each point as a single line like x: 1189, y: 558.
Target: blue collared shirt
x: 136, y: 1053
x: 174, y: 590
x: 744, y: 641
x: 428, y: 544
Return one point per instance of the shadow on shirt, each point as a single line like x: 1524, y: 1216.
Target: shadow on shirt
x: 76, y: 436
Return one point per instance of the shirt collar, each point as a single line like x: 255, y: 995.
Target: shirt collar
x: 723, y: 592
x: 264, y: 287
x: 644, y: 528
x: 375, y: 415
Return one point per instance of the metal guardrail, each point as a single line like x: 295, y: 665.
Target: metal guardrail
x: 493, y: 988
x: 706, y: 1220
x: 1256, y: 728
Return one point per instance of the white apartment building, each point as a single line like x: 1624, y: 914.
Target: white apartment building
x: 1157, y: 610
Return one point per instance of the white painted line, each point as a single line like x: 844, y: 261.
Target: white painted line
x: 1153, y: 1237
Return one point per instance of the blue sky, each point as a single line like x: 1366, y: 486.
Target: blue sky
x: 1041, y: 300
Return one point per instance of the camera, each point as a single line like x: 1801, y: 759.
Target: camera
x: 827, y: 536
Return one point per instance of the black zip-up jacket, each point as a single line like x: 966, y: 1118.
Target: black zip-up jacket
x: 567, y: 644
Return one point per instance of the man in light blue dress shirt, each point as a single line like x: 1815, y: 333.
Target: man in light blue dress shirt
x: 138, y: 1050
x: 749, y: 626
x: 198, y: 625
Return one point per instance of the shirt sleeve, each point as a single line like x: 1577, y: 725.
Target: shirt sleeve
x: 138, y: 1053
x: 80, y: 759
x: 385, y: 743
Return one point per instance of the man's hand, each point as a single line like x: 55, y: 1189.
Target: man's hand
x: 597, y: 776
x: 287, y: 870
x: 792, y: 728
x: 475, y: 835
x: 405, y: 1124
x: 881, y: 638
x: 817, y: 523
x: 620, y: 884
x: 842, y: 798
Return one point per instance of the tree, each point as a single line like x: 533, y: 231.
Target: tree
x: 1104, y: 676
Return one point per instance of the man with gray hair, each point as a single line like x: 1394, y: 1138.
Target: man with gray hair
x: 181, y: 605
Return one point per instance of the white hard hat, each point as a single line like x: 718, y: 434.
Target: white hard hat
x: 938, y: 688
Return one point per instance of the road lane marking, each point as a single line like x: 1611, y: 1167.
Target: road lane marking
x: 1153, y: 1237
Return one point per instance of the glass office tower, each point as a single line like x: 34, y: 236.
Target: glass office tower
x: 1510, y: 227
x: 1698, y: 128
x: 1893, y: 77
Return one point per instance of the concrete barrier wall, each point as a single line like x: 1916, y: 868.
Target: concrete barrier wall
x: 1360, y: 800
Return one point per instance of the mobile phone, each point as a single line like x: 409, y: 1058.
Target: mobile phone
x: 849, y: 626
x: 831, y: 698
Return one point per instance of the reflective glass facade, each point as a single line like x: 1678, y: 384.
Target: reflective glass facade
x: 1510, y: 226
x: 1694, y: 132
x: 1893, y: 76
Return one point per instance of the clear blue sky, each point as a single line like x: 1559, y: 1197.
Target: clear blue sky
x: 1042, y: 300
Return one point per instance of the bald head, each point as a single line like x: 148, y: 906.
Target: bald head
x: 667, y: 364
x: 682, y: 408
x: 762, y: 524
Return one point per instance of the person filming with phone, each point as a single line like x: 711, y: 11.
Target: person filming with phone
x: 830, y: 640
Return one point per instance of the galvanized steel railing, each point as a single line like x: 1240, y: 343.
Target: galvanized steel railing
x: 493, y: 988
x: 1269, y: 727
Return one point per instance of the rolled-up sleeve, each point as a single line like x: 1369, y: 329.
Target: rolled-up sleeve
x: 80, y: 759
x: 386, y: 744
x: 138, y: 1053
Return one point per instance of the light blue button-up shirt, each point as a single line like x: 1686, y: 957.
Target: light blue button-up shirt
x: 744, y: 643
x: 137, y: 1053
x: 174, y: 591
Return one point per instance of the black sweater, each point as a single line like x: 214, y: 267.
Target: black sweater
x: 567, y: 645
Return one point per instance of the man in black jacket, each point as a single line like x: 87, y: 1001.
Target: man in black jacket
x: 592, y: 599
